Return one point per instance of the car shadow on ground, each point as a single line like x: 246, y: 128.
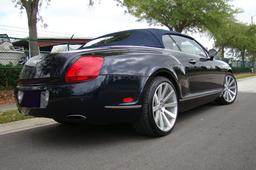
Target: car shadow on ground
x: 101, y: 135
x: 72, y: 136
x: 199, y: 110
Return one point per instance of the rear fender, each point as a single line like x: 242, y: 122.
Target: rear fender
x: 164, y: 72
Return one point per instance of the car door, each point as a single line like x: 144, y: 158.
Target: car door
x: 199, y: 69
x: 189, y: 82
x: 214, y: 74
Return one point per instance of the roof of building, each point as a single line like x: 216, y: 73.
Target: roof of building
x: 50, y: 42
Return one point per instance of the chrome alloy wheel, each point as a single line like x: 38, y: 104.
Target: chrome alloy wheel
x: 230, y: 89
x: 165, y: 106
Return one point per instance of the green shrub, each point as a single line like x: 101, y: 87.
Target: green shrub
x: 241, y: 69
x: 9, y: 75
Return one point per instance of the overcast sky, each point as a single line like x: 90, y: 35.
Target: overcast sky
x: 65, y: 18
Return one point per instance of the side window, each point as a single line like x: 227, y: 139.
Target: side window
x: 169, y: 43
x: 189, y: 46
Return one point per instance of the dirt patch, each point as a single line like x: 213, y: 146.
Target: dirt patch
x: 7, y: 96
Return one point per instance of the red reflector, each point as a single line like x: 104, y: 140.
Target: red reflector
x: 85, y: 68
x: 128, y: 99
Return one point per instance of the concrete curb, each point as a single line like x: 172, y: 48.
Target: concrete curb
x: 24, y: 125
x: 7, y: 107
x: 247, y: 78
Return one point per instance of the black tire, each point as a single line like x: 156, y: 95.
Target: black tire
x: 146, y: 124
x: 221, y: 100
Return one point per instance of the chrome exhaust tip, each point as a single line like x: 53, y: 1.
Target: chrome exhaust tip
x: 76, y: 117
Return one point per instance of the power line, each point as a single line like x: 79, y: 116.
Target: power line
x: 39, y: 30
x: 26, y: 32
x: 40, y: 33
x: 25, y: 28
x: 13, y: 30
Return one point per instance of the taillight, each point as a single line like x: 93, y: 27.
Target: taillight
x: 85, y: 68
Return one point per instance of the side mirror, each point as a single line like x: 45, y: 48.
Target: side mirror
x: 212, y: 53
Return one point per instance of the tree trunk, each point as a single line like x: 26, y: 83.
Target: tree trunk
x: 243, y: 58
x: 169, y: 27
x: 31, y: 10
x: 180, y: 26
x: 222, y: 53
x: 33, y: 44
x: 253, y: 62
x: 178, y: 29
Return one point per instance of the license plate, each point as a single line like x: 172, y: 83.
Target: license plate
x: 35, y: 99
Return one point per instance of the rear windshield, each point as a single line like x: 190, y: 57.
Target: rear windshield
x: 111, y: 39
x: 130, y: 38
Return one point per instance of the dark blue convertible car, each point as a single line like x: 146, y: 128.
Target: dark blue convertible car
x: 144, y: 77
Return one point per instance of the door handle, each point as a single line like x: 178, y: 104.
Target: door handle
x: 192, y: 61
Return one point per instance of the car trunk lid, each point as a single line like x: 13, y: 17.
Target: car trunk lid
x: 45, y: 68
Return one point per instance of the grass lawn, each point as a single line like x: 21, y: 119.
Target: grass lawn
x: 244, y: 75
x: 12, y: 115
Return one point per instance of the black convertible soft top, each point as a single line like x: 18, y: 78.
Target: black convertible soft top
x: 150, y: 37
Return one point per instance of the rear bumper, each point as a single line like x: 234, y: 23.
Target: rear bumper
x: 98, y: 100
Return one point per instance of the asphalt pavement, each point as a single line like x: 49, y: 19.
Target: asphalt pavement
x: 208, y: 137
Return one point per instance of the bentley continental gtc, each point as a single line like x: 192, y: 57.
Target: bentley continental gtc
x: 145, y: 77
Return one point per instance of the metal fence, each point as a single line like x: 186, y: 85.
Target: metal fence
x: 11, y: 57
x: 240, y: 64
x: 12, y: 49
x: 8, y: 53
